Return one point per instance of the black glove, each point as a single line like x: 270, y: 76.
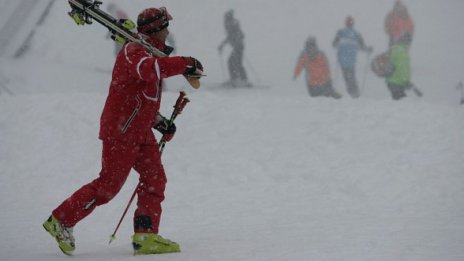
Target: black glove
x: 194, y: 68
x: 162, y: 125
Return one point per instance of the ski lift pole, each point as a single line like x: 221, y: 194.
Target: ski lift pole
x: 460, y: 87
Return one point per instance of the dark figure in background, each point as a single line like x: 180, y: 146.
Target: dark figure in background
x: 318, y: 78
x: 348, y: 41
x: 235, y: 36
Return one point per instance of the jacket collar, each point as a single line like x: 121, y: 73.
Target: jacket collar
x: 160, y: 45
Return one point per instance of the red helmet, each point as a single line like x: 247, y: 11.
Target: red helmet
x: 349, y: 21
x: 152, y: 20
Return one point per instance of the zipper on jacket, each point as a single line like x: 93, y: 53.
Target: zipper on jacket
x: 134, y: 113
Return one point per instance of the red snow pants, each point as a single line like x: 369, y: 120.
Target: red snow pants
x: 118, y: 158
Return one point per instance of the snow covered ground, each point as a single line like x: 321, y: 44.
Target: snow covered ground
x: 254, y: 174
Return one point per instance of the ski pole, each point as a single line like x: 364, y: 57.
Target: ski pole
x: 7, y: 90
x: 366, y: 70
x: 252, y: 69
x: 113, y: 236
x: 178, y: 107
x: 460, y: 87
x: 3, y: 85
x: 416, y: 90
x: 221, y: 59
x: 336, y: 73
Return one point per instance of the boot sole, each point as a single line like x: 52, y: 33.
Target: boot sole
x: 136, y: 253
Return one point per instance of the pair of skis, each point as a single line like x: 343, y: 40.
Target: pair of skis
x: 86, y: 11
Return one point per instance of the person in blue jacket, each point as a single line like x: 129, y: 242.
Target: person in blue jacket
x: 348, y: 41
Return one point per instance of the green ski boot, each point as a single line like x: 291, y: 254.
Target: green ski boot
x: 149, y: 243
x: 63, y: 235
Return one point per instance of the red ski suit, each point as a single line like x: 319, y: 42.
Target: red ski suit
x: 128, y: 141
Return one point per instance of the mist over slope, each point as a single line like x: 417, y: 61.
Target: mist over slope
x: 275, y: 34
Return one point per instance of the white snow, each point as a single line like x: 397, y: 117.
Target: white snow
x: 254, y: 174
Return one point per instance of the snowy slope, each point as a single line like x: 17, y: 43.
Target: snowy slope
x: 254, y: 174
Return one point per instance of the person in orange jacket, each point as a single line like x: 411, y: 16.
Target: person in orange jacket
x: 318, y: 78
x: 398, y: 22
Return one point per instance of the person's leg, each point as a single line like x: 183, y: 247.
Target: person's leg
x: 241, y: 73
x: 232, y: 65
x: 397, y: 92
x: 327, y: 90
x: 117, y: 160
x: 350, y: 80
x: 313, y: 91
x: 150, y: 192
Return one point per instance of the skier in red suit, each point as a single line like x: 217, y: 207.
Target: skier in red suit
x: 130, y: 113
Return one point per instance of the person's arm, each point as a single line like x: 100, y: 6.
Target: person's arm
x: 221, y: 45
x: 227, y: 40
x: 146, y: 67
x: 412, y: 26
x: 362, y: 45
x: 300, y: 64
x: 387, y: 24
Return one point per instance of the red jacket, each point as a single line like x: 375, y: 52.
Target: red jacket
x: 135, y: 92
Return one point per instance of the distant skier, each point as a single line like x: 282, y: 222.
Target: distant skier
x: 234, y: 37
x: 130, y: 113
x: 399, y: 79
x: 397, y: 22
x: 348, y: 41
x: 318, y: 78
